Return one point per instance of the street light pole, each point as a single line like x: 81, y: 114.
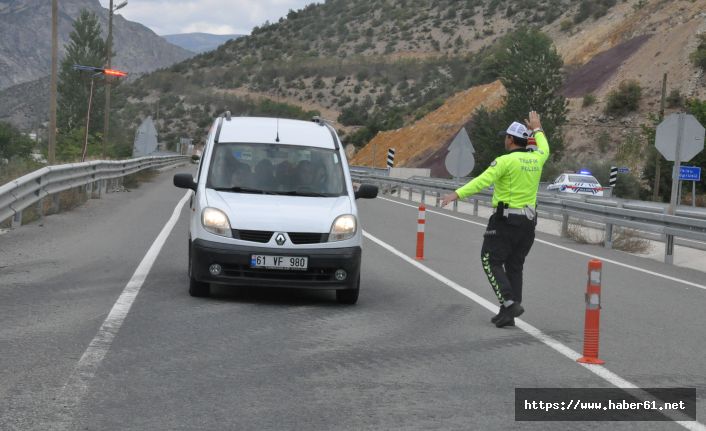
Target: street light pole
x: 88, y: 118
x: 97, y: 71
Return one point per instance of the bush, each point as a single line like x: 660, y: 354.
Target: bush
x: 588, y: 100
x: 698, y: 57
x: 625, y: 99
x: 675, y: 99
x: 566, y: 25
x: 13, y: 143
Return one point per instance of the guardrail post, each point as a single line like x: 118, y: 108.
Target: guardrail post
x: 669, y: 249
x: 410, y: 193
x: 608, y: 242
x: 399, y: 191
x: 55, y: 203
x: 424, y: 195
x: 564, y: 225
x: 40, y: 209
x: 438, y: 198
x: 16, y: 220
x: 475, y: 207
x: 455, y: 205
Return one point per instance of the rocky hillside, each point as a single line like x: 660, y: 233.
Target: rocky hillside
x: 397, y: 60
x: 25, y: 40
x: 199, y: 42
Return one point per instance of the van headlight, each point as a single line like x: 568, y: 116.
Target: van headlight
x: 216, y: 221
x: 344, y: 227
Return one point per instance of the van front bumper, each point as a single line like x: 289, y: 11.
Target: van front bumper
x: 236, y: 270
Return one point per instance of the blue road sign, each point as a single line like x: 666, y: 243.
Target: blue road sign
x: 689, y: 173
x: 623, y: 170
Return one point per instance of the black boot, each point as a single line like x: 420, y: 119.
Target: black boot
x: 497, y: 316
x: 508, y: 314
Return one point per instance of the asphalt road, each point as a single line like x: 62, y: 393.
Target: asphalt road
x: 412, y: 354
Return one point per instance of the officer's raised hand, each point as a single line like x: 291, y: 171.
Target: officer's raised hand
x: 533, y: 122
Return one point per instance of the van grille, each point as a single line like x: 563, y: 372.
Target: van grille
x: 311, y: 274
x: 308, y: 237
x: 261, y: 236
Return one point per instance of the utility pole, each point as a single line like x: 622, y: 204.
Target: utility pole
x: 109, y: 57
x: 51, y: 145
x: 658, y: 156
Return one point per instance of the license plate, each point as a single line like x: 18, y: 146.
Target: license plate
x: 279, y: 262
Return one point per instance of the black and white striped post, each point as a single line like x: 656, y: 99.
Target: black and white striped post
x: 390, y: 158
x: 613, y: 176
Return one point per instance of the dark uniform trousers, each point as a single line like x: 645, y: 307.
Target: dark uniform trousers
x: 506, y: 243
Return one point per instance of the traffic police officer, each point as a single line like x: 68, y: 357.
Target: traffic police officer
x: 510, y: 232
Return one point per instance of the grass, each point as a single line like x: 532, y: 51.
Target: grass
x: 578, y: 234
x: 624, y: 239
x: 627, y: 240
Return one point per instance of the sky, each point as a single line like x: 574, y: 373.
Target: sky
x: 205, y: 16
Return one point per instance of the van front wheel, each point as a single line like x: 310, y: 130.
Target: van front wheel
x: 348, y: 296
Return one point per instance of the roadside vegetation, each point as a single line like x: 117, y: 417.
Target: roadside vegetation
x: 15, y: 150
x: 698, y: 57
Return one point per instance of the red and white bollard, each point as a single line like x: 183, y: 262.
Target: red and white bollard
x: 593, y: 314
x: 421, y: 221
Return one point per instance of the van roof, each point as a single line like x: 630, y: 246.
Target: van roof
x: 264, y: 130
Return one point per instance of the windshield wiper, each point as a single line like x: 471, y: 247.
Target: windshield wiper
x: 242, y: 190
x: 311, y: 194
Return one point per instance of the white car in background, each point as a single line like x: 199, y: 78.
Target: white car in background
x: 582, y: 183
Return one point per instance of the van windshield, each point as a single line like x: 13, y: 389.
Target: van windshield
x: 276, y: 169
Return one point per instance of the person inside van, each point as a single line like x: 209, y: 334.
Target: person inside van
x: 241, y: 175
x: 305, y: 174
x: 283, y: 175
x: 264, y: 174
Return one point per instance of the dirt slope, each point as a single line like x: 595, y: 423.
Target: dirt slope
x: 421, y: 139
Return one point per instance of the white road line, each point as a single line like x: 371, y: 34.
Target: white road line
x: 77, y: 385
x: 561, y: 247
x: 599, y: 370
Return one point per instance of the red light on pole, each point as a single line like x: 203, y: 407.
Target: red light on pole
x: 114, y: 72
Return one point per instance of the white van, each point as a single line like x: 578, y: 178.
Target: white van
x: 274, y: 206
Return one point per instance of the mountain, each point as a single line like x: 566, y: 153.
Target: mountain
x: 26, y: 105
x: 199, y: 42
x: 25, y: 40
x: 377, y: 65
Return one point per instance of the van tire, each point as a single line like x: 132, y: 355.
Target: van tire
x: 197, y: 289
x: 348, y: 296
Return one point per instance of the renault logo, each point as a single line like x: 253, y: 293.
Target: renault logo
x: 279, y: 239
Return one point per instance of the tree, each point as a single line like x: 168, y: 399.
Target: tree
x: 13, y: 143
x: 530, y: 68
x: 85, y: 47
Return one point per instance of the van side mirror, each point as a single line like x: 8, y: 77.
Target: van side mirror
x: 366, y: 191
x: 185, y: 181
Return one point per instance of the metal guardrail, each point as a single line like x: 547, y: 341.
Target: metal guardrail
x: 18, y: 195
x: 688, y: 222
